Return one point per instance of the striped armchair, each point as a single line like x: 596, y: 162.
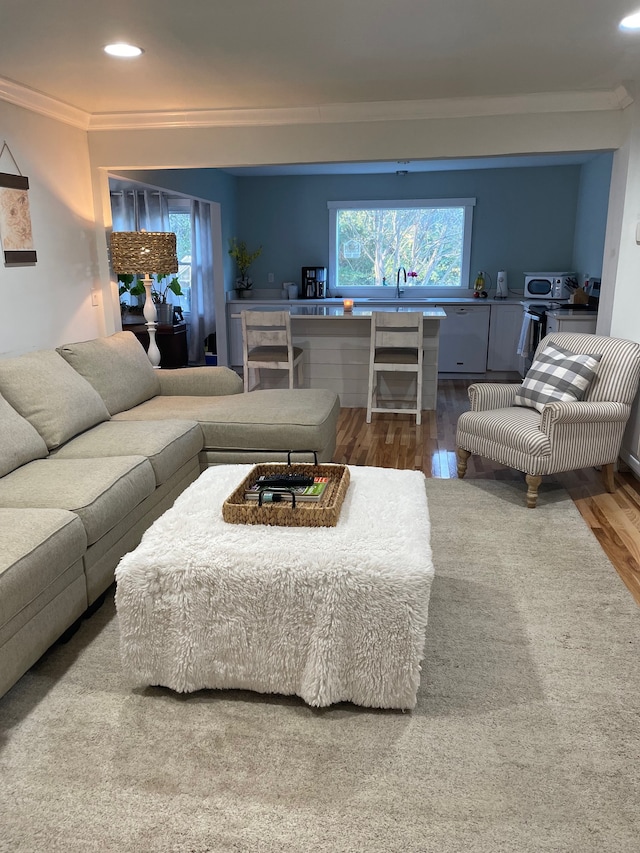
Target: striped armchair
x: 563, y: 436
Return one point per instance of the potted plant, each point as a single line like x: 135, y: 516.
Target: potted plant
x: 243, y: 259
x: 164, y: 309
x: 128, y: 283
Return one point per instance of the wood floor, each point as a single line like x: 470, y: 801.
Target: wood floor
x: 394, y: 441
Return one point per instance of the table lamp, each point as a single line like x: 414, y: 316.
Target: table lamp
x: 145, y: 252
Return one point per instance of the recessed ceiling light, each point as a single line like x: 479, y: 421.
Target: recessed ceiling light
x: 122, y: 49
x: 631, y: 22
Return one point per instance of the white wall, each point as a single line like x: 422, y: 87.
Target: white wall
x: 619, y: 314
x: 477, y: 136
x: 49, y: 303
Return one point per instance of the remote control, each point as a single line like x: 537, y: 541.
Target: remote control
x: 284, y: 481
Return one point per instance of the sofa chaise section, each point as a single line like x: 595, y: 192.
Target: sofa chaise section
x: 258, y: 427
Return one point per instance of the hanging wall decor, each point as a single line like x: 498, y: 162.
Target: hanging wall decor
x: 15, y: 218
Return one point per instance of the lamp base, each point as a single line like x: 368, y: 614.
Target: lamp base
x: 150, y: 315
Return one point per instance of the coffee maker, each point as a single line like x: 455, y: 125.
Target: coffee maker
x: 314, y: 282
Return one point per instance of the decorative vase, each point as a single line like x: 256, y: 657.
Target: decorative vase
x: 243, y: 286
x: 164, y: 310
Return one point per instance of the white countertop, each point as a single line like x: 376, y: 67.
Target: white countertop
x: 404, y: 301
x: 574, y: 314
x: 336, y: 311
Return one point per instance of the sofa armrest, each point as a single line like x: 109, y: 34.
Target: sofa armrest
x: 484, y: 396
x: 199, y: 382
x: 582, y: 412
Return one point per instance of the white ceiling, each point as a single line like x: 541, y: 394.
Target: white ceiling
x: 202, y: 55
x: 254, y: 55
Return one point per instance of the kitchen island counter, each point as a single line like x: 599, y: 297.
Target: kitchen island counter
x: 336, y: 348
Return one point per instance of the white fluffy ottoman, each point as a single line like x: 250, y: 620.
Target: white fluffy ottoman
x: 330, y: 614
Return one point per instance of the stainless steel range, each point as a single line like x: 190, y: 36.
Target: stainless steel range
x: 534, y: 325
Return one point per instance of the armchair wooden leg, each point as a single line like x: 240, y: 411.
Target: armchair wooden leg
x: 607, y: 476
x: 533, y: 484
x: 462, y: 456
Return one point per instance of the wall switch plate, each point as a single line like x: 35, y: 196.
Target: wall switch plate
x: 94, y: 298
x: 270, y: 277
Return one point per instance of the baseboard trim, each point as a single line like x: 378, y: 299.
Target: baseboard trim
x: 632, y: 461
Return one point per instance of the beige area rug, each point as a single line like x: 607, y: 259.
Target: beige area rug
x: 526, y: 736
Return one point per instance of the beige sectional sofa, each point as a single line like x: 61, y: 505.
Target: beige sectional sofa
x: 96, y: 445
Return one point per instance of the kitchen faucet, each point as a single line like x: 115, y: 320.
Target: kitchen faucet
x: 404, y: 272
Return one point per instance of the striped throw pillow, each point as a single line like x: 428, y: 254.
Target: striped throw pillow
x: 556, y: 376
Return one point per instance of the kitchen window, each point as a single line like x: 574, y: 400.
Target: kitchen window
x: 369, y: 241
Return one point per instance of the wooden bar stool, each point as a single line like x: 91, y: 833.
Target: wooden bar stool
x: 267, y: 345
x: 396, y: 346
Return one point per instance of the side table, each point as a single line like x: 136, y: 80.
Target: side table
x: 171, y: 340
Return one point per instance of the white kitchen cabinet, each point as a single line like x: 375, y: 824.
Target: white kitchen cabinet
x: 504, y: 335
x: 571, y: 321
x: 464, y: 338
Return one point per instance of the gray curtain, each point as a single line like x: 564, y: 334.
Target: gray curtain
x: 133, y: 210
x: 203, y: 315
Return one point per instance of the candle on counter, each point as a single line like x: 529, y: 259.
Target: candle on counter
x: 347, y: 305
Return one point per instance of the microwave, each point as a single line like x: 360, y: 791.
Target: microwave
x: 549, y: 285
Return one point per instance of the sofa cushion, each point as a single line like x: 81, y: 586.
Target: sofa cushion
x: 117, y: 367
x: 21, y: 442
x: 168, y: 445
x: 299, y: 419
x: 101, y: 492
x: 40, y: 554
x: 199, y: 382
x: 49, y: 393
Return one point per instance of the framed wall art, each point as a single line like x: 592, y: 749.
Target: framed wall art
x: 15, y: 217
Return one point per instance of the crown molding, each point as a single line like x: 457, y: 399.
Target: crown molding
x: 37, y: 102
x: 374, y: 111
x: 624, y: 93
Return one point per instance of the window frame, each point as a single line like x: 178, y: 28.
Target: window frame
x: 412, y: 292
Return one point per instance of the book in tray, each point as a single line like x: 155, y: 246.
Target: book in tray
x: 302, y: 493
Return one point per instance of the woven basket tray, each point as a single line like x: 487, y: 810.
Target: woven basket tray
x: 323, y: 513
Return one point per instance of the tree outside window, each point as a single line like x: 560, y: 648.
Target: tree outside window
x: 371, y: 241
x: 180, y: 223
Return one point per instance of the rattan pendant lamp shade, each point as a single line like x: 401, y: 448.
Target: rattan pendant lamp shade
x: 146, y: 252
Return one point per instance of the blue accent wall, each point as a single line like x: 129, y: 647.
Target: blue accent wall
x: 591, y: 216
x: 524, y: 219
